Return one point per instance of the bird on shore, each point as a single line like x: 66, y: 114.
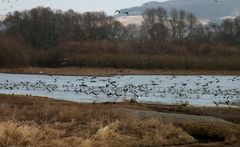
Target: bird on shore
x: 216, y: 103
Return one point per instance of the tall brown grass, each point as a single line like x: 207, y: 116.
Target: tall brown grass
x: 14, y: 52
x: 43, y: 122
x: 151, y: 61
x: 18, y: 134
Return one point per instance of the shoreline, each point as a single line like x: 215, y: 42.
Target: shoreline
x: 82, y: 71
x: 236, y: 105
x: 160, y: 107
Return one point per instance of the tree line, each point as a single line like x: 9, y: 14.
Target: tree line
x: 43, y: 27
x: 57, y: 37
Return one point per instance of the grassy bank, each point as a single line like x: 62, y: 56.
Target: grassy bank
x: 31, y: 121
x: 113, y: 71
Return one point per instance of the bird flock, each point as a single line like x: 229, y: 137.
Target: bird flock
x: 196, y: 90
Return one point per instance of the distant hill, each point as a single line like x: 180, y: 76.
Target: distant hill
x: 213, y: 10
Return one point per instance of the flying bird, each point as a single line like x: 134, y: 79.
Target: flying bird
x: 118, y: 11
x: 126, y: 13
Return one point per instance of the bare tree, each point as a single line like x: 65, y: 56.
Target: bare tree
x: 174, y: 23
x: 161, y: 15
x: 237, y: 29
x: 191, y: 20
x: 148, y: 22
x: 155, y: 21
x: 227, y: 30
x: 181, y: 24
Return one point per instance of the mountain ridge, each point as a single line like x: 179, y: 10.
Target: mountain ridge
x: 204, y: 9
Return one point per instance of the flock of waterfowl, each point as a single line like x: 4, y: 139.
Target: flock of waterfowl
x: 196, y: 90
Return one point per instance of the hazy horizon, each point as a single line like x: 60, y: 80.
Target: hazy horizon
x: 80, y: 6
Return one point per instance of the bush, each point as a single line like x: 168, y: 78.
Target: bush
x: 13, y: 52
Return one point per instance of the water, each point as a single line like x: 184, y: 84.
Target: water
x: 195, y: 90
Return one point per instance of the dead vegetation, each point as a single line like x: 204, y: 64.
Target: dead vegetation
x: 113, y: 71
x: 31, y: 121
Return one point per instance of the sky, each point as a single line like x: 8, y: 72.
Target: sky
x: 109, y: 6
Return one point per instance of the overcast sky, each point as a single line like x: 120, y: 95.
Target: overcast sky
x: 109, y: 6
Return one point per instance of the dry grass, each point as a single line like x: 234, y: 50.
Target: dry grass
x: 157, y: 60
x: 17, y: 134
x: 31, y: 121
x: 35, y: 121
x: 153, y: 132
x: 114, y: 71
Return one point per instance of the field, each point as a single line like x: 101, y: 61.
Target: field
x: 31, y: 121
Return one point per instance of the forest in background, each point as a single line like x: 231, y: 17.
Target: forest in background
x: 42, y: 37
